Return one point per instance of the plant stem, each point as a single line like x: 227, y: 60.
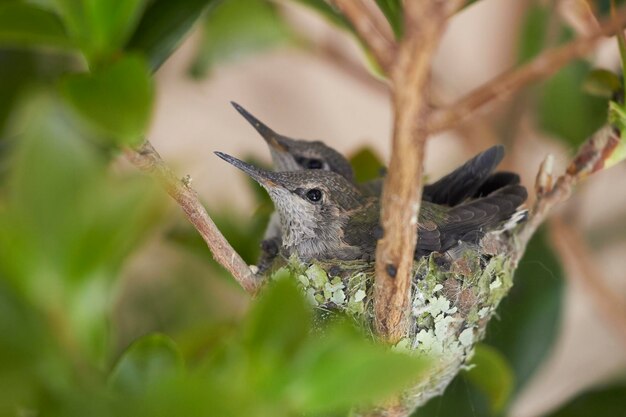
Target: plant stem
x: 147, y: 159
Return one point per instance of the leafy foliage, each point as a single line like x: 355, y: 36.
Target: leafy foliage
x: 27, y: 25
x: 164, y: 25
x: 238, y: 27
x: 117, y: 99
x: 70, y: 225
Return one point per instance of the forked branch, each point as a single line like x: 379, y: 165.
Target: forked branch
x: 503, y: 86
x: 372, y: 29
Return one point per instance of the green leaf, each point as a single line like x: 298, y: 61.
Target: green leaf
x: 163, y: 27
x: 117, y: 99
x: 565, y: 110
x: 492, y: 375
x: 28, y: 25
x: 146, y: 362
x: 530, y: 315
x: 392, y: 9
x: 278, y: 323
x: 100, y: 27
x: 366, y: 164
x: 607, y: 400
x: 237, y: 28
x: 343, y: 369
x: 602, y: 83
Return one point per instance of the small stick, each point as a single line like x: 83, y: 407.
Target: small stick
x: 148, y: 160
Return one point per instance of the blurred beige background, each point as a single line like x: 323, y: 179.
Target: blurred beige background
x: 309, y: 96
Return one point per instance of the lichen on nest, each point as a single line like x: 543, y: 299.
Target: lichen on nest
x: 453, y: 298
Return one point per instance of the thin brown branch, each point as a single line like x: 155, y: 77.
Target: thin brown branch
x: 372, y: 29
x: 591, y: 157
x: 147, y: 159
x: 410, y: 76
x: 513, y: 80
x: 576, y: 257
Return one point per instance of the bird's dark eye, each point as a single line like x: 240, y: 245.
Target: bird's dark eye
x: 314, y: 164
x: 314, y: 195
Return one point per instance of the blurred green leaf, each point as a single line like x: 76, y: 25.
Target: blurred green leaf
x: 16, y: 70
x: 617, y: 117
x: 100, y: 27
x: 237, y: 28
x: 485, y: 388
x: 117, y: 99
x: 609, y: 400
x: 23, y: 24
x: 565, y: 110
x: 271, y: 331
x: 366, y: 164
x: 529, y: 317
x: 30, y: 363
x: 163, y: 27
x: 67, y: 223
x: 144, y: 363
x: 602, y: 83
x: 392, y: 9
x: 533, y: 34
x: 341, y: 369
x: 492, y: 375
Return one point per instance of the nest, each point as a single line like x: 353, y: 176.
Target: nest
x: 454, y: 296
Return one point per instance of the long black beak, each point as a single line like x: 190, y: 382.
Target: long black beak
x: 263, y: 177
x: 273, y: 139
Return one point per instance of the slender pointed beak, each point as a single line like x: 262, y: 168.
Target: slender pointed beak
x: 263, y: 177
x: 273, y: 139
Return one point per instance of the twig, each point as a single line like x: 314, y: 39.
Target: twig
x: 575, y: 255
x: 374, y: 31
x: 511, y: 81
x: 591, y: 157
x: 425, y: 21
x: 147, y: 159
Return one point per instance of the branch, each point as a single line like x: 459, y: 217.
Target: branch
x: 591, y: 157
x: 410, y: 74
x: 572, y: 249
x: 147, y: 159
x: 511, y: 81
x: 372, y: 29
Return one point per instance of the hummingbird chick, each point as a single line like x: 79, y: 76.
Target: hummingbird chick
x: 324, y: 216
x: 475, y: 178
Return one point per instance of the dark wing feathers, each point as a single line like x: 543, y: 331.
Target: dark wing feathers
x: 469, y: 221
x: 466, y: 180
x: 496, y: 181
